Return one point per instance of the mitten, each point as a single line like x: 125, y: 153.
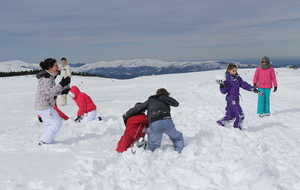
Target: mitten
x: 78, y: 119
x: 275, y: 89
x: 254, y: 85
x: 65, y: 81
x: 257, y: 91
x: 40, y: 119
x: 220, y: 82
x: 65, y: 91
x: 124, y: 118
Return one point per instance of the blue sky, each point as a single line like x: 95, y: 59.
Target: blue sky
x: 169, y: 30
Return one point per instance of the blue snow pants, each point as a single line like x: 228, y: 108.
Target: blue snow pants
x: 155, y: 133
x: 263, y: 105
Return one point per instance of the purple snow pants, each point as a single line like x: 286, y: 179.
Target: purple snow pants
x: 233, y: 111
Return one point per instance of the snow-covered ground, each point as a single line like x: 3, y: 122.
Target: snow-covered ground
x: 264, y: 156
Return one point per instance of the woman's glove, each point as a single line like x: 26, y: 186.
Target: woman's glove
x: 65, y: 81
x: 275, y: 89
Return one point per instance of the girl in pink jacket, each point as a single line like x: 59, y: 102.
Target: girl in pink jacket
x: 264, y: 79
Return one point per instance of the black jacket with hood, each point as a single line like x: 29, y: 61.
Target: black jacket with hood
x: 157, y: 106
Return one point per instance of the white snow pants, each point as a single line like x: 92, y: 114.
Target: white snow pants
x: 52, y: 124
x: 90, y: 116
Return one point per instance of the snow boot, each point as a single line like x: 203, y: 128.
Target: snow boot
x: 222, y: 123
x: 139, y: 144
x: 41, y: 143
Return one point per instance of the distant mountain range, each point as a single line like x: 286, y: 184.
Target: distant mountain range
x: 125, y: 69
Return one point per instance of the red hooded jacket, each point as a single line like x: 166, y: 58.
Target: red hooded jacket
x: 83, y: 101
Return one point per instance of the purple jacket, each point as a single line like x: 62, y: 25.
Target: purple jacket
x: 233, y: 84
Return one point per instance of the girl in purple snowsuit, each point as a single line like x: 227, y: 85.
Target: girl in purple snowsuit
x: 231, y: 87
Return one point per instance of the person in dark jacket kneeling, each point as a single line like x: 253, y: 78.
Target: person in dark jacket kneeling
x: 159, y: 117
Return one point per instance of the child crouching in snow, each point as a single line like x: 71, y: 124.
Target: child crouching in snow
x: 136, y: 127
x: 231, y: 87
x: 87, y: 109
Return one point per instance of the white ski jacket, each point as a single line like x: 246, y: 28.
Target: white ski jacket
x: 65, y: 71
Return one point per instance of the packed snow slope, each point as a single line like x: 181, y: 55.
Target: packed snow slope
x: 264, y: 156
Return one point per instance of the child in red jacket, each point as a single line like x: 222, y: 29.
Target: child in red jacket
x: 87, y: 109
x: 136, y: 127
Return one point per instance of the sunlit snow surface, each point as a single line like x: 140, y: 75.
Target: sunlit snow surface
x: 264, y: 156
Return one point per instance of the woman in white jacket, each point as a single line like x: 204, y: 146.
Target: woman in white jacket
x: 65, y: 72
x: 44, y: 99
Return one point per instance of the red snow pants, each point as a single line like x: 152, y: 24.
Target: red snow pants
x: 135, y: 128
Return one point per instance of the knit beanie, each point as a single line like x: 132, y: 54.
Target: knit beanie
x: 265, y: 66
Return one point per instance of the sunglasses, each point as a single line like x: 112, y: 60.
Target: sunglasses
x: 264, y: 61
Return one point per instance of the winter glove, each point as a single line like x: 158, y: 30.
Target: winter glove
x: 124, y: 118
x: 65, y: 81
x: 220, y: 82
x: 40, y: 119
x: 254, y: 85
x: 65, y: 91
x: 78, y: 119
x: 257, y: 91
x: 275, y: 89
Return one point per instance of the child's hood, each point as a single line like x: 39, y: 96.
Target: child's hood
x: 75, y: 90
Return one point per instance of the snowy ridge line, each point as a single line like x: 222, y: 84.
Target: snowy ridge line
x: 125, y: 69
x: 17, y: 65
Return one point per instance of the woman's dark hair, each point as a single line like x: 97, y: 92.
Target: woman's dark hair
x: 162, y: 91
x: 47, y: 63
x: 63, y: 59
x: 231, y: 66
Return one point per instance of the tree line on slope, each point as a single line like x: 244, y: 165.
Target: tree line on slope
x: 33, y: 72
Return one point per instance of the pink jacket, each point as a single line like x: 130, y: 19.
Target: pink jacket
x: 265, y: 78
